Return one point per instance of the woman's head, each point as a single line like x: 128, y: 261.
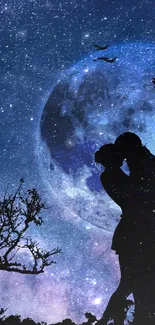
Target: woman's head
x: 109, y: 156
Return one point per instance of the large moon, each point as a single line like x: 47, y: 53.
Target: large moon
x: 90, y: 105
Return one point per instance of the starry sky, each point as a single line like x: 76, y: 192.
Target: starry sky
x: 42, y: 43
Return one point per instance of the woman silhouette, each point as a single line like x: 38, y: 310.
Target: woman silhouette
x: 117, y: 185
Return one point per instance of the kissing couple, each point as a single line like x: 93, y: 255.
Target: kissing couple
x: 134, y: 237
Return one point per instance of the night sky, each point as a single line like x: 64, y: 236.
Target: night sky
x: 57, y: 108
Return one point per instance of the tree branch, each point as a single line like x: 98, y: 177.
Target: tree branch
x: 17, y: 211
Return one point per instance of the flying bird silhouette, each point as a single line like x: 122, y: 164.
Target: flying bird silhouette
x: 98, y: 47
x: 106, y: 59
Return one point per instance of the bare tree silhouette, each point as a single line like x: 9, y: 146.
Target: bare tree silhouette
x: 17, y: 211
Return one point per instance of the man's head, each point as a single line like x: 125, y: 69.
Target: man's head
x: 129, y: 144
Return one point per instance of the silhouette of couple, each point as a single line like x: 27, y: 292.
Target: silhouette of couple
x: 134, y: 236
